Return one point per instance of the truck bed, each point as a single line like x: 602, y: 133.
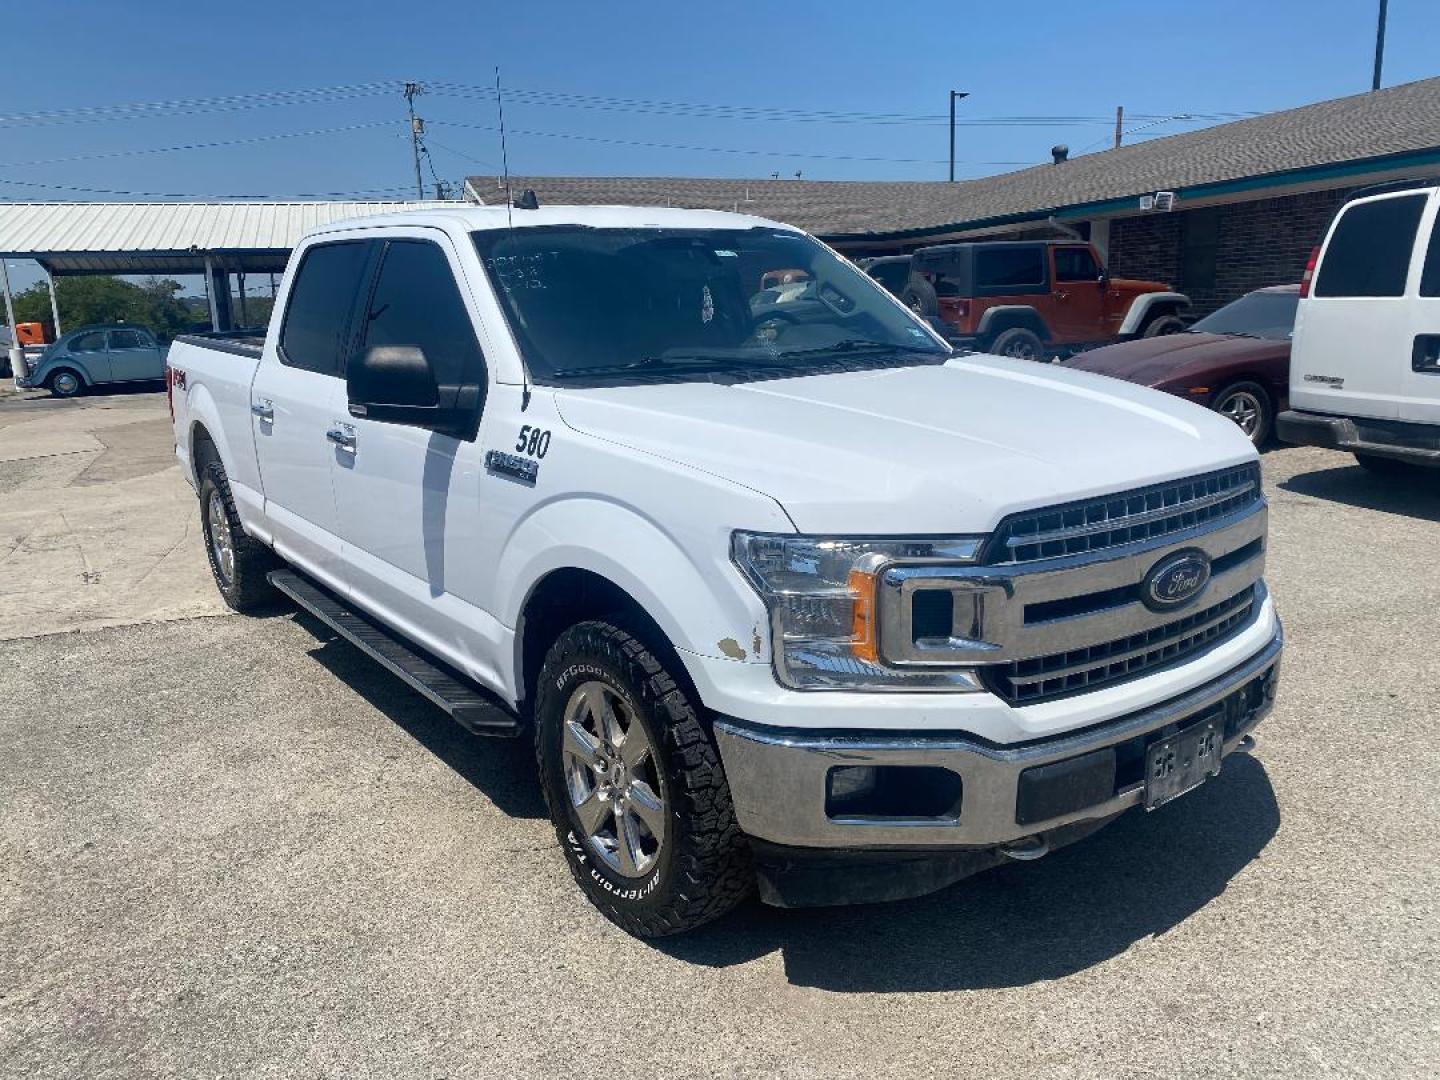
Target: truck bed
x: 247, y: 342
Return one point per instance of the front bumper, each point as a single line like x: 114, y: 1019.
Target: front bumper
x: 1418, y: 444
x: 781, y: 779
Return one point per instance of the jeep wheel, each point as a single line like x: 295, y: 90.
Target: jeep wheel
x: 1162, y: 325
x: 1248, y: 405
x: 919, y: 296
x: 1018, y: 342
x: 635, y: 786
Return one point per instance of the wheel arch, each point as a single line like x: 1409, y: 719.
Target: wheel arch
x: 997, y: 320
x: 1148, y: 306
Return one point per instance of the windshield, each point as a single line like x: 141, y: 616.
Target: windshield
x: 586, y: 302
x: 1261, y: 315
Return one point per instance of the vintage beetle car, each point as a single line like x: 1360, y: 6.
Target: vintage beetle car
x: 96, y: 355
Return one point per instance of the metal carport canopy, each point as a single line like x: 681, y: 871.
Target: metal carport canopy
x: 168, y: 237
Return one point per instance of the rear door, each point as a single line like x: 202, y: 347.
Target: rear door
x: 298, y: 390
x: 1078, y: 294
x: 1353, y: 335
x: 134, y: 355
x: 1420, y: 382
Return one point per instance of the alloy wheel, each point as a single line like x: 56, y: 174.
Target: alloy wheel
x: 611, y: 775
x: 1244, y: 409
x: 222, y: 544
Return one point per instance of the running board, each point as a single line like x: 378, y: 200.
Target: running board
x: 470, y: 708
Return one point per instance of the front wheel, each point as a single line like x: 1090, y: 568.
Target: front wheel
x: 1248, y: 406
x: 1162, y: 325
x: 64, y: 383
x: 635, y: 786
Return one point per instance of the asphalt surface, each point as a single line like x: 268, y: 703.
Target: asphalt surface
x: 233, y: 847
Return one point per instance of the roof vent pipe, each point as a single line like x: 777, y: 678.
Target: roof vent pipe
x: 1060, y: 153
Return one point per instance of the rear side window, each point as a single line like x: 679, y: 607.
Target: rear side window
x: 317, y: 315
x: 892, y: 275
x: 94, y: 341
x: 1000, y: 267
x: 1369, y: 249
x: 417, y: 302
x: 127, y: 339
x: 1075, y: 264
x: 1430, y: 276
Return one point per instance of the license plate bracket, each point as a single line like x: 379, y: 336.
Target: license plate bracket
x: 1182, y: 762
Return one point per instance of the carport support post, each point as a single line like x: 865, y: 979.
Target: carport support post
x: 18, y: 367
x: 54, y: 304
x: 210, y: 294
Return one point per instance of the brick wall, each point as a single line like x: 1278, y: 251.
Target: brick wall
x: 1264, y: 242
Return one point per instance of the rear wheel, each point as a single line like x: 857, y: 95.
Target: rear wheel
x: 238, y: 561
x: 64, y: 383
x: 1248, y: 405
x: 635, y: 786
x: 1018, y: 342
x: 1162, y: 325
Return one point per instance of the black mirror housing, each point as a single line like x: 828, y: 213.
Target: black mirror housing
x: 394, y: 384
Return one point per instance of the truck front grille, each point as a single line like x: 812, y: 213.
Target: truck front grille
x: 1127, y: 517
x: 1043, y: 678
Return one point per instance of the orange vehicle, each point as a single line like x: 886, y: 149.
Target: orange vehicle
x: 1035, y: 299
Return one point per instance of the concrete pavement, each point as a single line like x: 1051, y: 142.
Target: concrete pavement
x: 234, y: 847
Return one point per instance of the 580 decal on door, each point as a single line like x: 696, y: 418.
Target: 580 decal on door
x: 533, y: 441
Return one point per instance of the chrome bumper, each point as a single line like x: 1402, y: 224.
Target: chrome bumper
x: 778, y: 778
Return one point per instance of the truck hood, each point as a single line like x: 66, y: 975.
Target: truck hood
x: 929, y: 449
x: 1153, y: 361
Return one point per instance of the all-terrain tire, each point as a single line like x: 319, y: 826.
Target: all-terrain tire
x: 919, y: 296
x: 702, y: 868
x: 1018, y: 342
x: 1162, y: 325
x: 240, y: 577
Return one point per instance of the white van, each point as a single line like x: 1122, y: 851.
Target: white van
x: 1365, y: 368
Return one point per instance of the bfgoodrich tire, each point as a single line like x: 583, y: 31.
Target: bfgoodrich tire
x: 1162, y: 325
x: 1018, y: 342
x: 635, y: 786
x: 238, y: 561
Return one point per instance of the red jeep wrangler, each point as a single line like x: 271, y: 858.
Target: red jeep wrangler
x: 1035, y: 298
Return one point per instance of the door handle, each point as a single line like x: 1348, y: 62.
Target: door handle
x: 1060, y: 294
x: 342, y: 438
x: 1425, y: 356
x: 264, y: 409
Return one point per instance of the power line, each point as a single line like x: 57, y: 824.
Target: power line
x: 202, y: 146
x: 718, y: 149
x: 185, y: 106
x: 194, y: 195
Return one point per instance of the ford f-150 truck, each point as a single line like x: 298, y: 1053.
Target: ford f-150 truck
x: 784, y: 590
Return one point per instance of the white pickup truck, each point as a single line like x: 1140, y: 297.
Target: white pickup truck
x: 783, y: 590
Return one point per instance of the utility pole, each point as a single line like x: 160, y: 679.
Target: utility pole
x: 417, y: 128
x: 955, y: 95
x: 1119, y: 124
x: 1379, y: 46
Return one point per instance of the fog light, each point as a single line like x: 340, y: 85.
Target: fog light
x: 848, y: 787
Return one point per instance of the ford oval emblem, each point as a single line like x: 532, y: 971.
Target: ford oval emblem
x: 1174, y: 580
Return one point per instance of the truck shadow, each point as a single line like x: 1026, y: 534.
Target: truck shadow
x: 1020, y: 924
x: 1416, y: 496
x: 503, y: 770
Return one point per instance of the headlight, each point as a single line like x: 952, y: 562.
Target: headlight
x: 821, y: 595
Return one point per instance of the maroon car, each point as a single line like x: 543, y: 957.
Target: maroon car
x: 1236, y: 361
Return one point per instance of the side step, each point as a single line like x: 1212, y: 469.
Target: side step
x: 468, y: 706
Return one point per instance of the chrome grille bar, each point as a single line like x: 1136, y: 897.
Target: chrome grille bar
x: 1129, y: 521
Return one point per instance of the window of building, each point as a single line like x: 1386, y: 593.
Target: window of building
x: 1199, y: 248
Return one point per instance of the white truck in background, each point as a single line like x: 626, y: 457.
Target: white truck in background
x: 1365, y: 363
x: 784, y: 591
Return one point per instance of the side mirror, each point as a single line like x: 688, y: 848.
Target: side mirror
x: 1104, y: 278
x: 394, y: 384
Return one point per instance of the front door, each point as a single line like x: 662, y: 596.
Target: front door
x: 1078, y: 296
x: 90, y: 351
x: 134, y: 356
x: 296, y: 394
x: 409, y: 498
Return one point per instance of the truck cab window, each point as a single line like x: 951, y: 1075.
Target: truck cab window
x: 317, y: 315
x: 417, y: 302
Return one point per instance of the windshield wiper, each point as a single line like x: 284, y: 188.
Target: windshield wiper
x: 654, y: 364
x: 863, y: 344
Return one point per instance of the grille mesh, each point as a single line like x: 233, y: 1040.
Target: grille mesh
x: 1042, y: 678
x: 1112, y: 520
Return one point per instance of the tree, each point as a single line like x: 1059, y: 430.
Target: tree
x: 88, y: 300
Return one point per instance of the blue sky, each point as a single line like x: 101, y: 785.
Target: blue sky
x: 1017, y: 59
